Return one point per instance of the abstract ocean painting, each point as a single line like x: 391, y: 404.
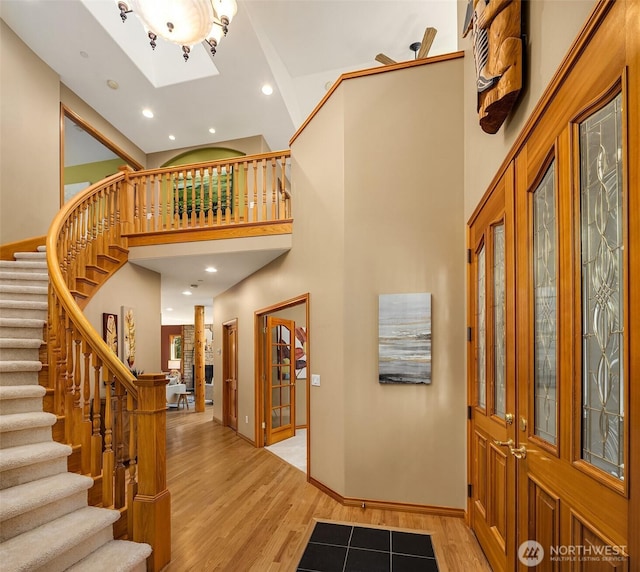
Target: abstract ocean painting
x: 404, y: 338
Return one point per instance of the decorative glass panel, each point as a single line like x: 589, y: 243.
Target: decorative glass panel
x: 481, y: 369
x: 544, y: 308
x: 601, y: 227
x: 499, y: 322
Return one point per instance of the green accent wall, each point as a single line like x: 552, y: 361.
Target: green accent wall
x: 202, y: 155
x: 92, y: 172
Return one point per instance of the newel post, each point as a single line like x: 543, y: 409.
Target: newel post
x: 152, y: 503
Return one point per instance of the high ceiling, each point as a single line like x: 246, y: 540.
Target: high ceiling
x: 300, y: 47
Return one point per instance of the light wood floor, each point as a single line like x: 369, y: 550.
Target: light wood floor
x: 236, y: 508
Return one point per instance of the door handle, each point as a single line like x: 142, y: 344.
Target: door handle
x: 517, y: 452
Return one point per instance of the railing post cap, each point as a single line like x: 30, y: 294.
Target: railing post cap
x: 151, y: 380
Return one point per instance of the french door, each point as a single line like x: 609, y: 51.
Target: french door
x: 280, y: 380
x: 492, y: 435
x: 553, y: 404
x: 230, y: 375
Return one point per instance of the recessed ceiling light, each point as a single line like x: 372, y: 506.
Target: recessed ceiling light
x: 187, y: 293
x: 212, y: 130
x: 147, y: 113
x: 172, y: 137
x: 169, y: 309
x: 267, y: 89
x: 113, y: 84
x: 84, y: 54
x: 211, y: 269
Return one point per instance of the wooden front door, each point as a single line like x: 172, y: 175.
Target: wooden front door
x: 569, y: 196
x: 280, y: 380
x: 492, y: 434
x: 230, y: 375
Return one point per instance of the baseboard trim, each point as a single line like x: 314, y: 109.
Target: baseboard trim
x: 247, y: 439
x: 219, y: 421
x: 387, y: 505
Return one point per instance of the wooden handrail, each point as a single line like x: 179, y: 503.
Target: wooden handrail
x: 64, y: 296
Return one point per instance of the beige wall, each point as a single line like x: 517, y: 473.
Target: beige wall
x: 30, y: 131
x: 552, y: 27
x: 376, y: 202
x: 311, y: 266
x: 100, y: 124
x: 137, y: 288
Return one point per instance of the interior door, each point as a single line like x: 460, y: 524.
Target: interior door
x: 280, y: 380
x: 230, y: 375
x: 492, y: 437
x: 573, y: 346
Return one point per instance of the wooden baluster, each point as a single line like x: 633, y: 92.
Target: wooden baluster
x: 108, y: 454
x: 152, y: 504
x: 274, y: 190
x: 235, y: 191
x: 142, y: 191
x: 228, y: 197
x: 175, y: 194
x: 218, y: 195
x: 167, y: 190
x: 77, y: 385
x: 96, y: 437
x: 202, y: 198
x: 120, y: 471
x: 153, y: 222
x: 264, y: 190
x: 210, y: 195
x: 132, y: 480
x: 255, y: 191
x: 192, y: 193
x: 245, y: 191
x: 185, y: 200
x: 67, y: 368
x: 114, y: 234
x: 86, y: 408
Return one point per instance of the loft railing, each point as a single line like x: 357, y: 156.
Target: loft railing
x: 115, y: 420
x: 240, y: 191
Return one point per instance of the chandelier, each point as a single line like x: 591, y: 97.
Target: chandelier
x: 183, y: 22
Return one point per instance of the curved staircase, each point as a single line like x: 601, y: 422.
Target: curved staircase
x: 45, y: 520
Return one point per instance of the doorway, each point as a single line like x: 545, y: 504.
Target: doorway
x: 230, y: 374
x: 282, y: 384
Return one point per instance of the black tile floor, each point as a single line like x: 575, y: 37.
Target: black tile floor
x: 345, y: 548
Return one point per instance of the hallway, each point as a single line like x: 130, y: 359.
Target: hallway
x: 236, y: 508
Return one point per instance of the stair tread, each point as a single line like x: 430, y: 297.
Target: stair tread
x: 20, y: 365
x: 24, y: 289
x: 36, y: 255
x: 40, y: 263
x: 22, y: 322
x: 114, y: 556
x: 36, y: 276
x: 21, y: 391
x: 24, y: 304
x: 33, y: 549
x: 20, y: 343
x: 21, y: 421
x: 24, y: 455
x: 23, y: 498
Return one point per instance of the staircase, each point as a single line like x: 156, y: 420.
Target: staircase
x: 45, y: 520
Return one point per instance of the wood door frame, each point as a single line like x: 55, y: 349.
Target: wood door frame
x: 225, y: 369
x: 259, y: 316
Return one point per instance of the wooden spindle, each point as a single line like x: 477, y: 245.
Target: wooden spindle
x: 108, y: 460
x: 132, y: 478
x: 245, y: 191
x: 119, y: 471
x: 255, y: 191
x: 264, y: 190
x: 218, y: 196
x: 210, y: 195
x: 96, y: 437
x: 274, y: 190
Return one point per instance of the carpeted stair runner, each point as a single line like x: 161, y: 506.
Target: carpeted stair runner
x: 45, y: 521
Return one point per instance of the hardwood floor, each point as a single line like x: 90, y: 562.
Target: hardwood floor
x: 236, y: 508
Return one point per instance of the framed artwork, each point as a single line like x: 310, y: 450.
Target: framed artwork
x: 404, y: 338
x: 301, y: 352
x: 128, y: 336
x: 110, y: 331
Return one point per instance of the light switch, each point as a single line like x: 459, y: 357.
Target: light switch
x: 315, y: 379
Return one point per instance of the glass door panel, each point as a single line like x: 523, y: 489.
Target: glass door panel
x: 499, y: 322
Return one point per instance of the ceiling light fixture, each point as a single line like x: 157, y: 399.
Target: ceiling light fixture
x: 267, y: 89
x: 172, y: 137
x: 187, y: 293
x: 183, y: 22
x: 210, y: 269
x: 212, y: 130
x: 147, y: 113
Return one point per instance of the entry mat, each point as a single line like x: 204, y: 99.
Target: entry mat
x: 353, y: 548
